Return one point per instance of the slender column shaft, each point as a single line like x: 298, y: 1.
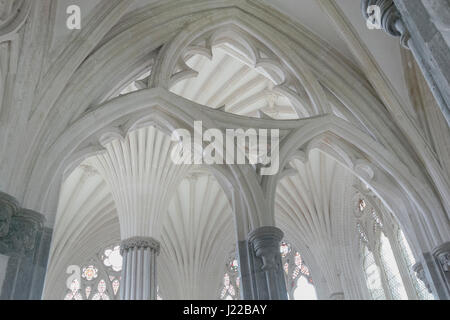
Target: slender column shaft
x: 139, y: 268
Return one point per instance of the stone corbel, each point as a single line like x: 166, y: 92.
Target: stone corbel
x: 420, y: 273
x: 442, y: 254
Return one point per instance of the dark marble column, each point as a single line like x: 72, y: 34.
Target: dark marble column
x: 423, y: 27
x: 260, y: 265
x: 26, y: 243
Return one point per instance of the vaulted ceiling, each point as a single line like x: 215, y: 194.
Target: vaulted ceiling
x: 91, y: 206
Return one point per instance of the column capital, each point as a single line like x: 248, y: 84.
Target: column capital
x: 22, y: 233
x: 9, y: 207
x: 266, y: 243
x: 140, y: 242
x: 420, y: 273
x: 391, y: 19
x: 442, y: 254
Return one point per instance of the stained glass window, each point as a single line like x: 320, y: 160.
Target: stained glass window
x: 304, y: 290
x: 230, y: 288
x: 373, y: 277
x: 293, y: 265
x: 297, y: 275
x: 383, y: 274
x: 99, y: 277
x: 394, y: 280
x: 74, y: 291
x: 361, y: 205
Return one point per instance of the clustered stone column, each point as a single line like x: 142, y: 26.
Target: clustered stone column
x: 25, y: 243
x: 442, y: 257
x: 261, y: 268
x: 139, y: 268
x: 423, y: 27
x: 434, y: 271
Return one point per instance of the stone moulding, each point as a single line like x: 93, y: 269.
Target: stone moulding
x: 140, y: 242
x: 442, y: 254
x: 13, y: 14
x: 391, y: 20
x: 266, y: 243
x: 420, y: 273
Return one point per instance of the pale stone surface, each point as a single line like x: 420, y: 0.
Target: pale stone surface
x: 79, y: 150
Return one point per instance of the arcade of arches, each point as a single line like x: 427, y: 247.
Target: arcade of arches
x: 93, y: 207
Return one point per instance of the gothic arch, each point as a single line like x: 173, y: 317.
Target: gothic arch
x: 383, y: 164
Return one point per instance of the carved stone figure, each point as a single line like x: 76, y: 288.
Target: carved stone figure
x: 420, y: 273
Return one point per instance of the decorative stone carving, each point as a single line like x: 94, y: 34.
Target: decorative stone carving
x: 442, y: 254
x: 22, y: 235
x: 140, y: 242
x: 8, y: 207
x: 420, y: 273
x: 266, y: 243
x: 391, y: 20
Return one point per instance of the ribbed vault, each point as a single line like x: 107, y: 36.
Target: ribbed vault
x: 198, y: 234
x: 87, y: 222
x: 142, y: 178
x: 228, y: 80
x: 309, y: 208
x: 175, y: 62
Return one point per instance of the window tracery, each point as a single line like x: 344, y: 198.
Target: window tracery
x: 100, y: 277
x: 410, y: 261
x: 231, y: 282
x: 299, y: 282
x: 386, y: 257
x: 373, y: 277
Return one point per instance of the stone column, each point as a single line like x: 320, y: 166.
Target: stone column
x: 434, y: 271
x: 441, y: 256
x: 27, y: 255
x: 139, y: 268
x: 261, y: 269
x: 424, y: 28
